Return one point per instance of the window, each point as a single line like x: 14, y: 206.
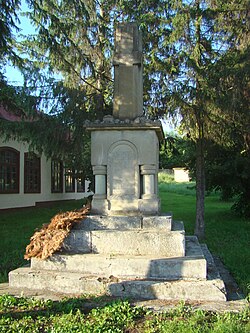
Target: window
x: 32, y: 173
x: 69, y: 180
x: 80, y: 181
x: 9, y: 170
x: 56, y: 177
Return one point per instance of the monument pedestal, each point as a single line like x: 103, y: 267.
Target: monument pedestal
x: 142, y: 257
x: 125, y: 165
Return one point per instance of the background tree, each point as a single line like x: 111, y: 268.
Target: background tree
x: 231, y: 96
x: 189, y: 54
x: 8, y: 25
x: 8, y: 22
x: 186, y: 45
x: 177, y: 151
x: 73, y: 40
x: 68, y: 68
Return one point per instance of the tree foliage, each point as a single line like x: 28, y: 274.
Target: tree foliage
x: 196, y: 69
x: 8, y: 25
x: 177, y: 152
x: 8, y: 22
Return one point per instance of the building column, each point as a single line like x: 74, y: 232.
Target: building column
x: 148, y: 172
x: 100, y: 173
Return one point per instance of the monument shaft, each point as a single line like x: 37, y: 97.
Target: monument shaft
x: 128, y: 86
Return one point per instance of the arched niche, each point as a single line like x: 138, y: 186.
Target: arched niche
x: 123, y: 171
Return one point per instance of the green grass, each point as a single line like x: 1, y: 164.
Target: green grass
x: 72, y: 315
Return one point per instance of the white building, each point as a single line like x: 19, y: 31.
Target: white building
x: 28, y: 179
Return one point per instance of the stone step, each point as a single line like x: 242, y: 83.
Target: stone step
x: 128, y: 242
x: 98, y: 222
x: 78, y: 284
x: 192, y: 266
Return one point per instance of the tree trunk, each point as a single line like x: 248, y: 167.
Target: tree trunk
x: 200, y: 163
x: 200, y: 190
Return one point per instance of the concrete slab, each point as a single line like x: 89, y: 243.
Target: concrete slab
x: 125, y: 276
x: 172, y: 290
x: 192, y: 266
x: 99, y: 222
x: 119, y: 222
x: 141, y: 241
x: 236, y: 301
x: 72, y: 282
x: 158, y: 222
x: 156, y: 305
x: 66, y: 282
x: 127, y: 267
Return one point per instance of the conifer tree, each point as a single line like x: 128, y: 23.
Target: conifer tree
x: 188, y: 52
x: 8, y: 25
x: 186, y: 44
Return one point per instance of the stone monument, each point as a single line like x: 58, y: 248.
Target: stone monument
x: 126, y: 248
x: 125, y: 147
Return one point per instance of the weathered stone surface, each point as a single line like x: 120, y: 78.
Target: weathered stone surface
x: 168, y: 244
x: 132, y: 242
x: 99, y: 222
x: 104, y: 141
x: 232, y: 304
x: 121, y: 222
x: 128, y: 44
x: 85, y: 275
x: 71, y: 282
x: 128, y: 87
x: 66, y: 282
x: 139, y: 236
x: 175, y: 290
x: 140, y: 267
x: 192, y: 266
x: 78, y: 239
x: 159, y: 222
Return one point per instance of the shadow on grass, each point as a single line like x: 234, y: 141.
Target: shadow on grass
x: 20, y: 307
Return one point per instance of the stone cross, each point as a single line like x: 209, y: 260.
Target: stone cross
x: 128, y: 86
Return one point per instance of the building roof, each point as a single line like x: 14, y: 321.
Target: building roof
x: 10, y: 115
x: 16, y: 115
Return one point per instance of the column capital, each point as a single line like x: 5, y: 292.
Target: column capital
x: 99, y: 169
x: 148, y: 169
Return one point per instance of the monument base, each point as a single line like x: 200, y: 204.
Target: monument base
x: 142, y: 257
x: 120, y: 207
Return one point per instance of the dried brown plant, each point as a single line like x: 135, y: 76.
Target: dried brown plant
x: 51, y: 236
